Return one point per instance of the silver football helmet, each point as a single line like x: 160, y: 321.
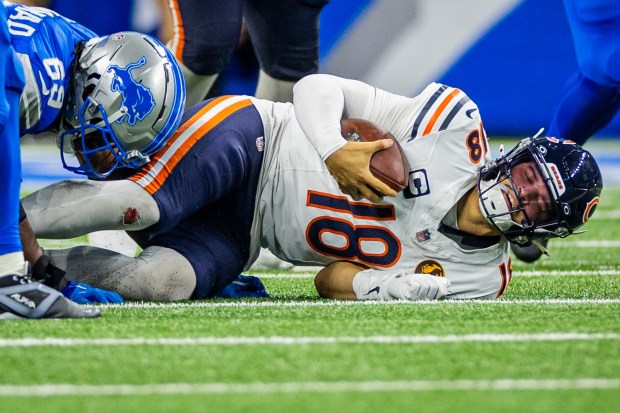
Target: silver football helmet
x: 125, y: 100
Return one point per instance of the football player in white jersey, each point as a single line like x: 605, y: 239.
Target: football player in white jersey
x: 241, y: 173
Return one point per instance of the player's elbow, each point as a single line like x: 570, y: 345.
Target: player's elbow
x: 334, y: 282
x: 322, y: 285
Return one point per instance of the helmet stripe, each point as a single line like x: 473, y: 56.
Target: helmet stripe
x: 212, y: 114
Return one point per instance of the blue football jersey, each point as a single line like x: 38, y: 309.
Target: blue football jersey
x: 44, y: 42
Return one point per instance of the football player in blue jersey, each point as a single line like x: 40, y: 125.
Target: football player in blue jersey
x: 20, y: 296
x: 128, y: 84
x: 591, y: 96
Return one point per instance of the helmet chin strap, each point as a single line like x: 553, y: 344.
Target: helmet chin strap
x: 541, y: 247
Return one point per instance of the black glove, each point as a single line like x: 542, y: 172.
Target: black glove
x: 47, y: 273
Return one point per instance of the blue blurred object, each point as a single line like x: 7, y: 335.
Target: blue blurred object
x: 85, y: 294
x: 244, y: 286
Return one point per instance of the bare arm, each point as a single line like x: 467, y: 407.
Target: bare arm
x: 72, y: 208
x: 336, y: 280
x: 344, y: 280
x: 30, y: 245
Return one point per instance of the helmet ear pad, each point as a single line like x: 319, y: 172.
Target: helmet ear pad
x: 130, y: 87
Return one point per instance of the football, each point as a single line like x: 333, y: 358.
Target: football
x: 388, y: 165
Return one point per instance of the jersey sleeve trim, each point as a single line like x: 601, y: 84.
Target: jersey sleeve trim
x: 440, y: 111
x: 155, y: 173
x: 456, y: 109
x: 427, y: 106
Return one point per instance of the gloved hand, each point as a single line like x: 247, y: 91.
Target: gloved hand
x: 416, y: 287
x: 85, y: 294
x: 389, y: 285
x: 244, y: 286
x: 47, y: 273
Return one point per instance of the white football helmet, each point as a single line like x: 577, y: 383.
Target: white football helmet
x: 126, y: 96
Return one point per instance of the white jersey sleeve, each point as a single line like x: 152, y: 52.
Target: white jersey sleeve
x: 321, y: 101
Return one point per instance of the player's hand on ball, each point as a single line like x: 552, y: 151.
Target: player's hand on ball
x: 350, y: 167
x: 418, y: 287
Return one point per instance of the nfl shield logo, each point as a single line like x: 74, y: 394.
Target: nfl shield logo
x: 422, y: 236
x: 260, y: 143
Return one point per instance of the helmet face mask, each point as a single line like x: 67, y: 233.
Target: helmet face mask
x: 96, y: 148
x: 128, y: 88
x: 543, y: 188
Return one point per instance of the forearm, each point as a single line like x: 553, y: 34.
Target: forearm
x: 72, y: 208
x: 30, y: 245
x: 349, y: 281
x: 321, y: 101
x: 335, y: 281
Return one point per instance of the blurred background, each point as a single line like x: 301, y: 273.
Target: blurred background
x: 510, y: 56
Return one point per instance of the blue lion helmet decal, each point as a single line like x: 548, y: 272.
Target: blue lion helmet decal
x: 137, y: 98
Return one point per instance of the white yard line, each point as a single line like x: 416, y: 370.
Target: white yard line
x: 294, y: 341
x: 334, y: 303
x: 560, y: 273
x: 607, y: 215
x: 51, y: 390
x: 585, y: 244
x: 286, y: 275
x: 547, y: 273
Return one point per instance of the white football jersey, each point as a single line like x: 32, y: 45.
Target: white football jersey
x: 302, y: 217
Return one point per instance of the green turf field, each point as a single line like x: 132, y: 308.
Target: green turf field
x: 552, y: 344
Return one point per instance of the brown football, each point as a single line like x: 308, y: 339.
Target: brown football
x: 388, y: 165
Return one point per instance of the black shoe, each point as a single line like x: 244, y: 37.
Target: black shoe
x: 531, y: 253
x: 22, y: 297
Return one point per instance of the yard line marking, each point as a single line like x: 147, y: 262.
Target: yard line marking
x: 561, y: 273
x: 51, y: 390
x: 552, y: 273
x: 588, y: 244
x: 286, y: 275
x: 294, y: 341
x: 612, y: 214
x: 335, y: 303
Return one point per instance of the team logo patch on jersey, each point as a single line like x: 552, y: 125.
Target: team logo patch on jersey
x: 138, y: 100
x: 422, y: 236
x: 431, y: 267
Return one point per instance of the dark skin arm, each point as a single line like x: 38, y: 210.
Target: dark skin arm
x: 30, y: 245
x: 335, y: 281
x: 42, y: 268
